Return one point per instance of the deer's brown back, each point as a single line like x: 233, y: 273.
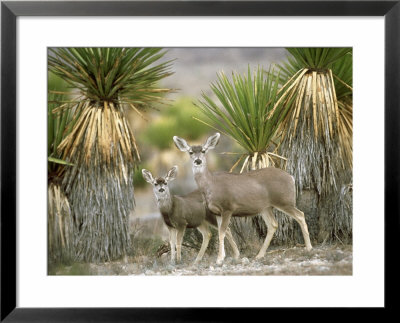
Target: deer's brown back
x: 249, y: 193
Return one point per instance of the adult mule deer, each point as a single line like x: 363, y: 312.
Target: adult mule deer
x: 181, y: 212
x: 247, y: 194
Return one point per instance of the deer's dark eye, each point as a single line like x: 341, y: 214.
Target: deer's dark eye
x: 203, y: 151
x: 191, y: 152
x: 156, y: 184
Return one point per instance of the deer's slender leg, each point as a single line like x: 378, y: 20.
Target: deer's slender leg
x: 296, y: 214
x: 219, y: 221
x: 223, y: 223
x: 172, y: 242
x: 236, y: 252
x: 269, y: 218
x: 179, y: 238
x: 206, y: 233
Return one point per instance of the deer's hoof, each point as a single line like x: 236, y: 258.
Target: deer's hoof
x: 258, y: 257
x: 219, y: 262
x: 244, y: 261
x: 197, y: 265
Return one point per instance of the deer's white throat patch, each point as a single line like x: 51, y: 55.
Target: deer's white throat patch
x: 197, y: 169
x: 164, y: 201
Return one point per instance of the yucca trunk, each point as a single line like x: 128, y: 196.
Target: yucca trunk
x: 100, y: 187
x: 321, y: 181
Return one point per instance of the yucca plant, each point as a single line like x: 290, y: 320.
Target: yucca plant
x: 100, y: 143
x: 61, y: 230
x: 239, y: 110
x: 323, y: 77
x: 316, y: 131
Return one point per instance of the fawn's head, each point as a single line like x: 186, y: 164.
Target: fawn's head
x: 197, y: 153
x: 160, y: 184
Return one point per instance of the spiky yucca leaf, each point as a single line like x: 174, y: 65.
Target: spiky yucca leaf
x: 342, y: 71
x: 100, y: 143
x: 313, y: 58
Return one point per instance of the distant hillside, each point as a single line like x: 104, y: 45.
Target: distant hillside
x: 196, y: 68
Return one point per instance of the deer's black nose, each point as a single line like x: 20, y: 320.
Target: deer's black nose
x: 197, y: 161
x: 161, y: 190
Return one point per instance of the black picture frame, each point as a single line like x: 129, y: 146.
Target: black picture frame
x: 10, y: 10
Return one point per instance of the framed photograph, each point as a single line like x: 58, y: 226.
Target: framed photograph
x: 124, y: 218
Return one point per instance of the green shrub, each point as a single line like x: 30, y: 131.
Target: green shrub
x: 138, y: 180
x: 177, y: 119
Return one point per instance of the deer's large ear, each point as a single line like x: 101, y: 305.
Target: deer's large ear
x: 181, y: 144
x: 212, y: 141
x: 147, y: 176
x: 172, y: 173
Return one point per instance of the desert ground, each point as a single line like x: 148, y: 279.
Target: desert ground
x: 294, y: 261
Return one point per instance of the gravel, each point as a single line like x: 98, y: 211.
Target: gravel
x: 321, y: 260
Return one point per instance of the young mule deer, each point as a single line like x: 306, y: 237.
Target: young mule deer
x: 247, y: 194
x: 181, y: 212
